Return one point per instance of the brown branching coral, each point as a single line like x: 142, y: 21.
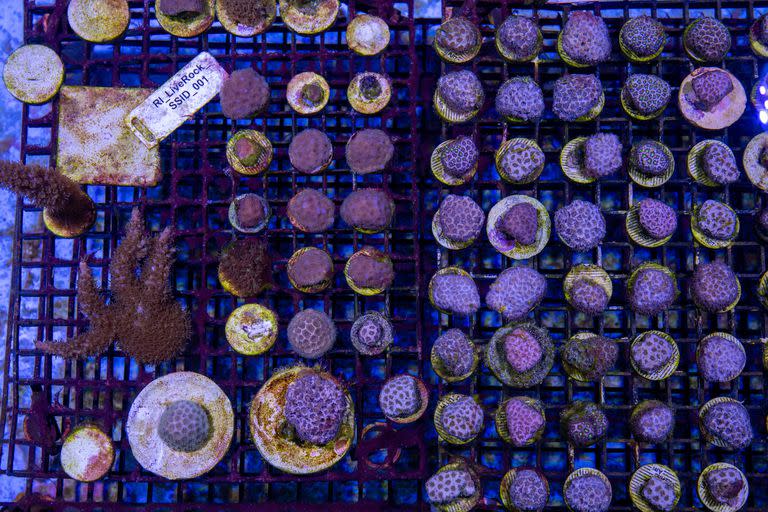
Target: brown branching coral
x: 65, y: 203
x: 142, y: 317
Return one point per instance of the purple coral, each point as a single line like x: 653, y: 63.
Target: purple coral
x: 449, y: 485
x: 585, y: 39
x: 461, y: 91
x: 520, y: 223
x: 580, y: 225
x: 455, y: 293
x: 400, y: 397
x: 709, y: 88
x: 651, y: 352
x: 370, y: 268
x: 658, y: 219
x: 462, y: 419
x: 524, y: 421
x: 311, y: 333
x: 460, y: 218
x: 650, y: 157
x: 643, y: 36
x: 717, y: 220
x: 719, y: 164
x: 714, y: 287
x: 602, y: 155
x: 652, y: 421
x: 583, y: 423
x: 457, y: 34
x: 459, y: 157
x: 520, y: 97
x: 575, y: 96
x: 243, y: 94
x: 720, y: 359
x: 369, y: 150
x: 522, y: 350
x: 529, y: 490
x: 660, y: 493
x: 729, y: 424
x: 371, y: 333
x: 369, y: 209
x: 646, y: 94
x: 521, y: 161
x: 456, y: 352
x: 588, y: 296
x: 310, y: 267
x: 315, y: 407
x: 311, y: 211
x: 592, y: 357
x: 588, y: 493
x: 184, y: 426
x: 707, y: 39
x: 519, y: 36
x: 724, y: 485
x: 310, y: 151
x: 516, y: 292
x: 652, y: 291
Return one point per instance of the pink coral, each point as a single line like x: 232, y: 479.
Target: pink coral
x: 524, y: 421
x: 522, y: 350
x: 311, y: 211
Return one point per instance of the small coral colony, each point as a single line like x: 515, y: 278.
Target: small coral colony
x: 181, y: 425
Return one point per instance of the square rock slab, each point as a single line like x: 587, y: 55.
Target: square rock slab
x: 95, y: 146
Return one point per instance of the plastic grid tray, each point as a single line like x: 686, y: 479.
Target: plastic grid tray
x: 193, y: 197
x: 39, y: 258
x: 618, y: 456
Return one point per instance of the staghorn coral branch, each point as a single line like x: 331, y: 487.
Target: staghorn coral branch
x: 157, y: 268
x: 143, y: 317
x: 101, y: 332
x: 126, y: 258
x: 44, y: 186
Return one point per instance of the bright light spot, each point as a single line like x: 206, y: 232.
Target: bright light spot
x: 762, y: 90
x: 763, y: 116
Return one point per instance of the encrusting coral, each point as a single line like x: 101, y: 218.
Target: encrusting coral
x: 142, y: 315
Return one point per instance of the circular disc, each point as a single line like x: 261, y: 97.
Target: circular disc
x: 642, y: 475
x: 186, y: 27
x: 151, y: 452
x: 267, y: 422
x: 87, y: 453
x: 232, y: 26
x: 33, y: 73
x: 251, y: 329
x: 510, y: 248
x: 723, y: 115
x: 367, y: 35
x: 98, y: 21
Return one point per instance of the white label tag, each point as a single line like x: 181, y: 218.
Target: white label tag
x: 177, y: 100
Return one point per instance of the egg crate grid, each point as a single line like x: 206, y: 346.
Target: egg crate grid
x: 194, y: 196
x: 618, y: 456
